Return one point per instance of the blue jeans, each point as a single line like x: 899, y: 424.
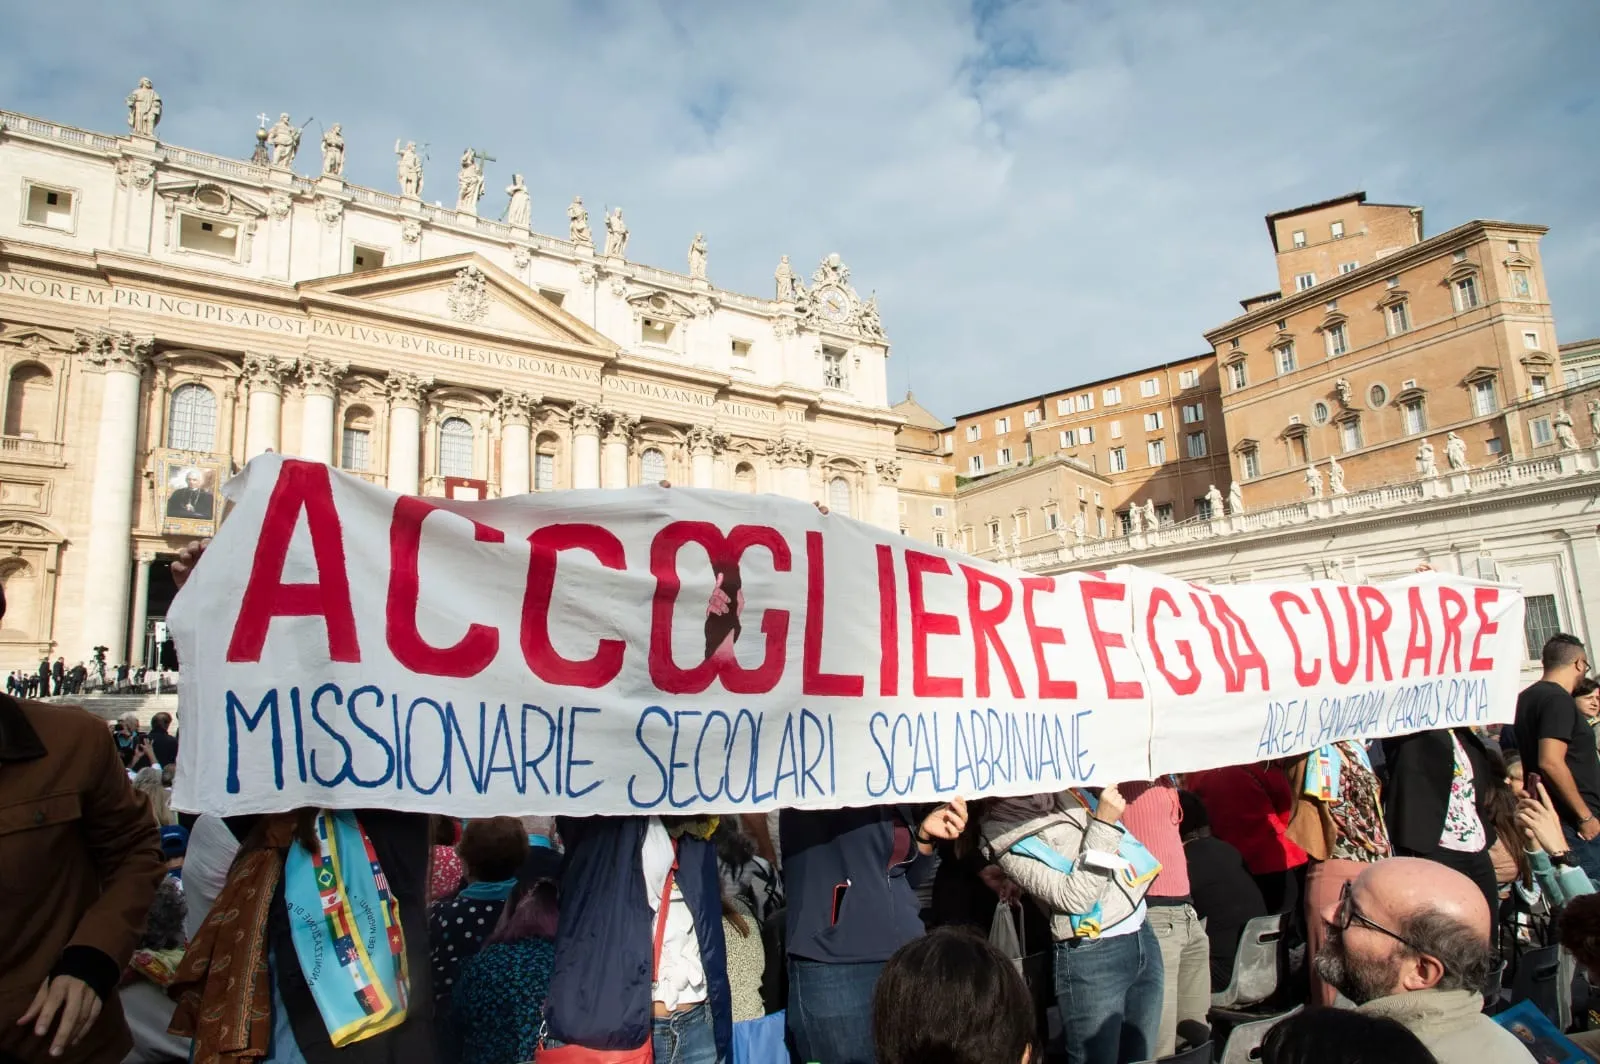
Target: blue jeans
x: 686, y: 1037
x: 1109, y: 992
x: 1587, y: 854
x: 830, y: 1010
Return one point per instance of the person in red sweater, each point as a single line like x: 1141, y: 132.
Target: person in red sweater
x: 1250, y: 807
x: 1154, y: 817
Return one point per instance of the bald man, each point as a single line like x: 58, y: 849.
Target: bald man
x: 1410, y: 939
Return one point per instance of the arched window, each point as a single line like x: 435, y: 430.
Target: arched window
x: 652, y: 466
x: 29, y: 408
x: 21, y: 585
x: 355, y: 442
x: 455, y: 448
x: 839, y: 496
x: 744, y: 478
x: 544, y: 464
x: 193, y: 424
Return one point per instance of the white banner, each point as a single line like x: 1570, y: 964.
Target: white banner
x: 684, y: 651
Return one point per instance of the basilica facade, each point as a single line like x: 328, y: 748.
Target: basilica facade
x: 168, y: 314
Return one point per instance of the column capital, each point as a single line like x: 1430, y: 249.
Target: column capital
x: 620, y: 427
x: 586, y: 419
x: 515, y: 408
x: 145, y: 557
x: 321, y: 376
x: 888, y: 469
x: 790, y: 453
x: 266, y: 373
x: 109, y: 351
x: 405, y: 389
x: 703, y: 439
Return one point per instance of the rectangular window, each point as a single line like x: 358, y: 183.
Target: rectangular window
x: 1350, y: 435
x: 975, y: 464
x: 1299, y: 451
x: 1156, y: 452
x: 938, y: 510
x: 1338, y: 340
x: 1153, y: 421
x: 1196, y: 442
x: 1236, y: 376
x: 1519, y: 284
x: 1100, y: 525
x: 208, y: 237
x: 1003, y: 456
x: 1530, y: 340
x: 1539, y: 623
x: 1466, y: 293
x: 1002, y: 425
x: 1052, y: 520
x: 1299, y: 238
x: 1250, y: 464
x: 1027, y: 449
x: 1085, y: 402
x: 1539, y: 431
x: 1303, y: 281
x: 1030, y: 418
x: 974, y: 433
x: 1116, y: 430
x: 1194, y: 413
x: 1202, y: 509
x: 740, y: 349
x: 1164, y: 514
x: 355, y: 451
x: 833, y: 374
x: 1112, y: 396
x: 1411, y: 415
x: 1188, y: 378
x: 938, y: 537
x: 1399, y: 319
x: 1086, y: 434
x: 994, y: 533
x: 363, y: 259
x: 1538, y: 384
x: 1125, y: 521
x: 1069, y: 438
x: 1494, y: 445
x: 1286, y: 362
x: 544, y: 472
x: 1349, y: 267
x: 1336, y: 230
x: 1118, y: 460
x: 50, y: 207
x: 1150, y: 387
x: 1064, y: 405
x: 1483, y: 399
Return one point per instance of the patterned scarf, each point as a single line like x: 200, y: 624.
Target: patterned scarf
x: 222, y: 988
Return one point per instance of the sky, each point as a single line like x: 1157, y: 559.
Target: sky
x: 1040, y: 192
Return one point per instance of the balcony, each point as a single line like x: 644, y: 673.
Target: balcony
x: 26, y: 451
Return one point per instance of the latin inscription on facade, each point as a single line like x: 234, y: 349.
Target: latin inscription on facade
x: 688, y: 397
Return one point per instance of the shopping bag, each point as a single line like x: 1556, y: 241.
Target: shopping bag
x: 760, y: 1041
x: 1005, y: 936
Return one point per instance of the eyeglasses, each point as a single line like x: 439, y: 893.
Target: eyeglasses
x: 1348, y: 914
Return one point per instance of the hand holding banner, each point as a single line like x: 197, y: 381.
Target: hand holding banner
x: 677, y: 650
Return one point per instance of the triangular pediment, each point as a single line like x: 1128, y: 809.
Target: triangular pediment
x: 462, y: 290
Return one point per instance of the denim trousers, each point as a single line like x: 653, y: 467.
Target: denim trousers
x: 1186, y: 967
x: 830, y: 1010
x: 687, y: 1037
x: 1587, y: 854
x: 1109, y: 992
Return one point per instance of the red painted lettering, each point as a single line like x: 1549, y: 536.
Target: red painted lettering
x: 814, y: 681
x: 925, y: 623
x: 1455, y: 612
x: 469, y: 655
x: 986, y: 629
x: 301, y: 487
x: 1246, y: 659
x: 1181, y: 685
x: 1041, y: 636
x: 544, y: 546
x: 1095, y: 591
x: 1482, y: 598
x: 1377, y: 613
x: 1280, y: 600
x: 1343, y: 671
x: 1419, y: 646
x: 888, y: 624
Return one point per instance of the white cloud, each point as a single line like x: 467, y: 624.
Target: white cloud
x: 1040, y: 192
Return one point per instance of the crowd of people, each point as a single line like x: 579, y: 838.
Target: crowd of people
x: 56, y: 679
x: 1090, y: 925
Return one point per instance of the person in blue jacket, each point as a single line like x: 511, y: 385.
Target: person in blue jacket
x: 851, y: 877
x: 604, y: 990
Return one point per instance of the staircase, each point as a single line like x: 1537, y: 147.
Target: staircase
x: 110, y: 707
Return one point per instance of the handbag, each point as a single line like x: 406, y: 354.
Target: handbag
x: 645, y: 1054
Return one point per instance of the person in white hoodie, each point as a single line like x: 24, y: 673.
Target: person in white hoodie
x: 1070, y: 852
x: 1409, y: 939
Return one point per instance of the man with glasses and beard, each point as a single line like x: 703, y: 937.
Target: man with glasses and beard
x: 1409, y: 939
x: 1555, y: 741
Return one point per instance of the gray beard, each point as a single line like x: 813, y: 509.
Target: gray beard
x: 1360, y: 982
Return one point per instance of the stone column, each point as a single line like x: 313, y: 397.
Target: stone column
x: 704, y: 444
x: 141, y: 609
x: 585, y: 445
x: 614, y: 451
x: 120, y: 359
x: 319, y: 381
x: 794, y: 468
x: 263, y: 375
x: 405, y: 428
x: 514, y: 410
x: 886, y: 494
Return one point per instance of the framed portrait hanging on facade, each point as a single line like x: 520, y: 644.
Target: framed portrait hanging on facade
x: 187, y: 491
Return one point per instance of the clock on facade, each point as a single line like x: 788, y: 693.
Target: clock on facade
x: 833, y: 304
